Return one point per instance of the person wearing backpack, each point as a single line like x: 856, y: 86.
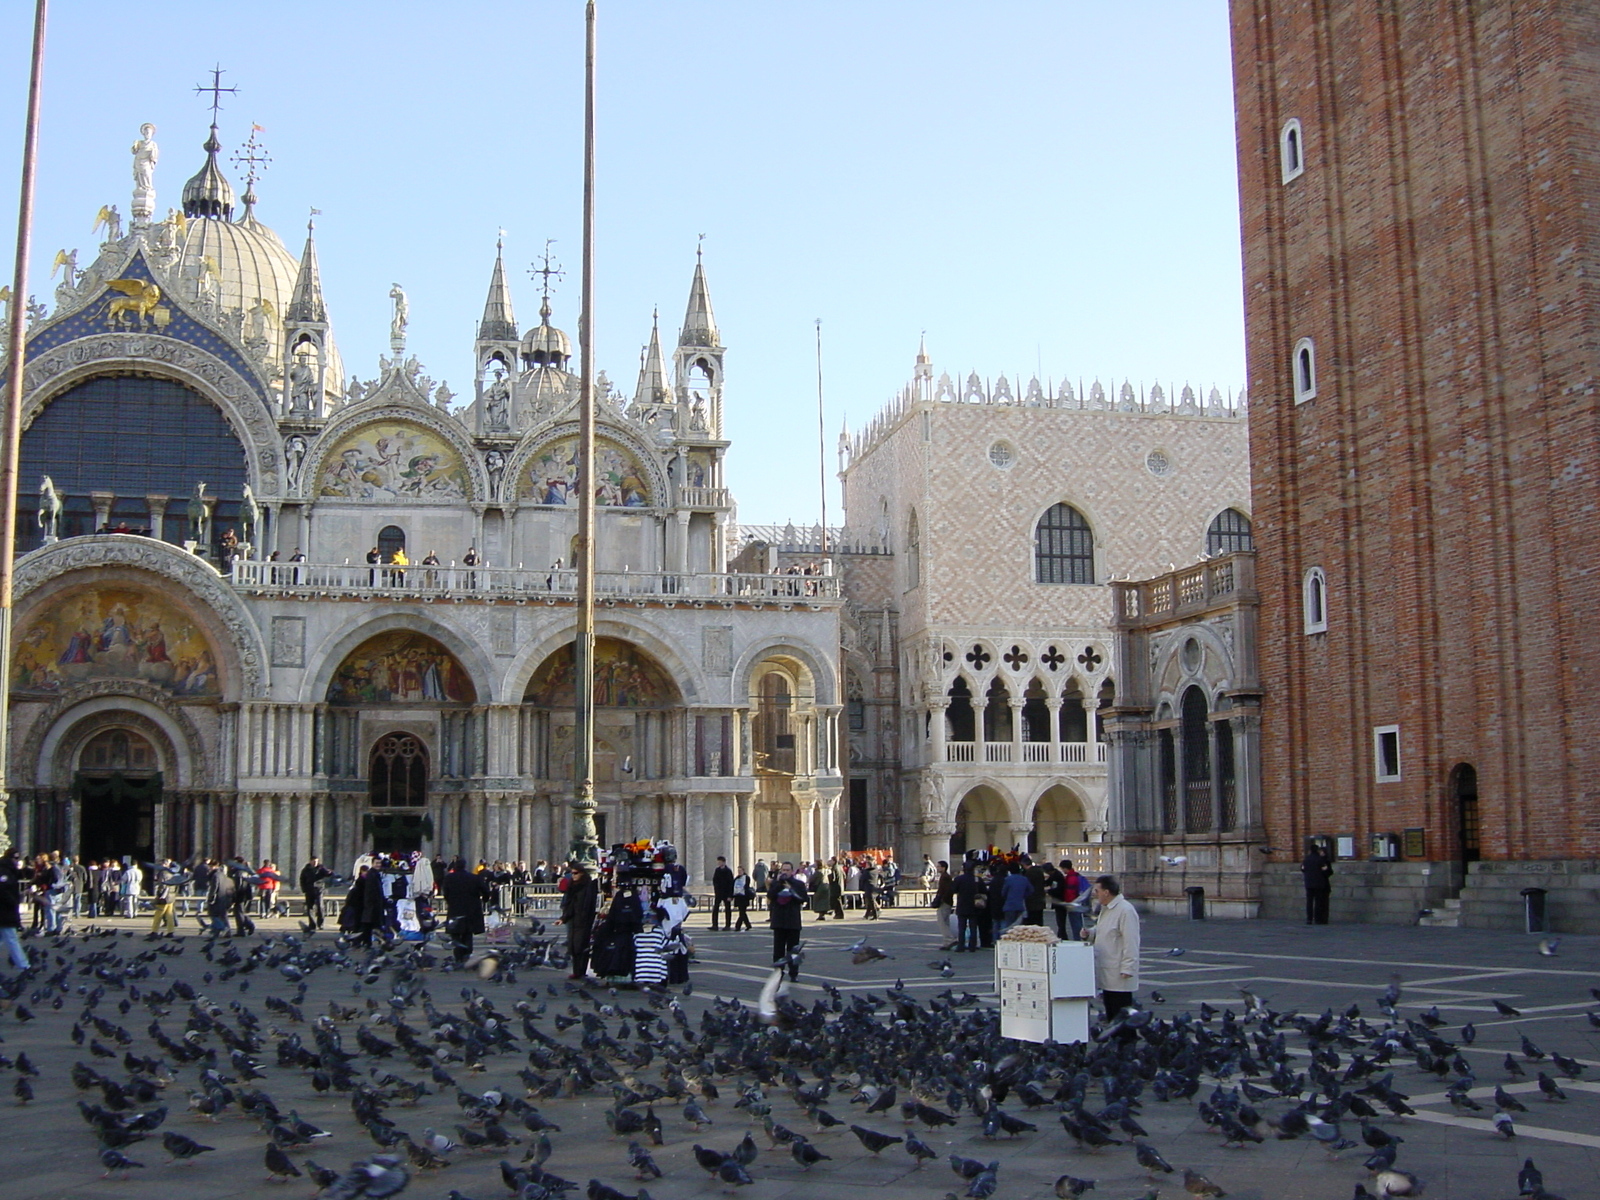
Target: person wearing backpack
x: 1069, y: 890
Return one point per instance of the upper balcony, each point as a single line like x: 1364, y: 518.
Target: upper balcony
x: 1186, y: 592
x: 485, y: 584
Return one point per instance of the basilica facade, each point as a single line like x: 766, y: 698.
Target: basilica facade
x: 268, y: 609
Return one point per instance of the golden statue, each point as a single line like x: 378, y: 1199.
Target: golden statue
x: 138, y: 297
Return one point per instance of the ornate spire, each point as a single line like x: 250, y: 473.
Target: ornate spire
x: 699, y: 325
x: 208, y: 193
x: 306, y: 303
x: 653, y: 387
x: 499, y: 323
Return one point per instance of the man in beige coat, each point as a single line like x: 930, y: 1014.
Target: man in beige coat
x: 1115, y: 938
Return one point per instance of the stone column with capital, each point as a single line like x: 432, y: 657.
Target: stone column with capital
x: 747, y: 830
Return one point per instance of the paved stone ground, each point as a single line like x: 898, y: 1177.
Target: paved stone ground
x: 50, y: 1153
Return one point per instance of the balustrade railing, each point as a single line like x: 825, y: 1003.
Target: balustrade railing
x: 1032, y: 752
x: 491, y: 582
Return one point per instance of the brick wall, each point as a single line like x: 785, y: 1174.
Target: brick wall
x: 1442, y: 247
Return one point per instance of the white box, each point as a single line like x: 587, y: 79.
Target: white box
x: 1044, y: 990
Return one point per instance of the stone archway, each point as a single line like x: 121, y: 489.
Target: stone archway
x: 1059, y: 817
x: 983, y: 819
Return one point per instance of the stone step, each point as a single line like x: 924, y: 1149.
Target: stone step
x: 1441, y: 919
x: 1453, y: 904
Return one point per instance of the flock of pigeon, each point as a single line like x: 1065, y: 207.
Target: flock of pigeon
x: 168, y: 1048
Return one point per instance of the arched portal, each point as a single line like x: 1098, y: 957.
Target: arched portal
x: 117, y: 786
x: 982, y: 820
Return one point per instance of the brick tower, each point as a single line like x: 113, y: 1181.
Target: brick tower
x: 1420, y: 202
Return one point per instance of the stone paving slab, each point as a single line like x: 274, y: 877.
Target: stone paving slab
x: 49, y: 1151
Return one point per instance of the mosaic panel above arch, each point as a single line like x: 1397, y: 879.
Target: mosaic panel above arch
x: 401, y: 667
x: 551, y: 475
x: 624, y: 677
x: 393, y: 460
x: 114, y: 633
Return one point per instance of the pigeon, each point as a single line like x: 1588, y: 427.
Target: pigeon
x: 1547, y: 947
x: 278, y: 1164
x: 806, y: 1154
x: 1395, y: 1182
x: 1505, y: 1010
x: 1503, y: 1125
x: 1529, y: 1050
x: 598, y: 1190
x: 1506, y: 1102
x: 708, y: 1159
x: 967, y: 1168
x: 1551, y: 1090
x: 1150, y: 1159
x: 1529, y: 1179
x: 1070, y: 1188
x: 1197, y: 1184
x: 115, y: 1160
x: 731, y: 1173
x: 872, y: 1139
x: 643, y: 1164
x: 1175, y: 952
x: 985, y: 1183
x: 182, y: 1148
x: 919, y: 1149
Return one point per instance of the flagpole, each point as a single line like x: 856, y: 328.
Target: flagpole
x: 11, y: 444
x: 585, y: 844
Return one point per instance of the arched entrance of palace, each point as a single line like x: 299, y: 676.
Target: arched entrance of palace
x: 1057, y: 820
x: 982, y: 820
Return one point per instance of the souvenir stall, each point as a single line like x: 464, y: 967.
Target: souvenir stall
x: 643, y: 907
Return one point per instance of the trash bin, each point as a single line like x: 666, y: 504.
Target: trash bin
x: 1197, y: 903
x: 1533, y: 909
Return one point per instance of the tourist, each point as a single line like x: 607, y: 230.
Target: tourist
x: 869, y: 892
x: 465, y: 893
x: 821, y: 895
x: 1015, y: 895
x: 743, y: 893
x: 1317, y: 872
x: 1046, y: 881
x: 578, y: 905
x: 129, y: 887
x: 1070, y: 893
x: 944, y: 904
x: 312, y: 876
x: 722, y: 893
x: 786, y: 905
x: 650, y: 951
x: 11, y: 908
x: 759, y: 874
x: 267, y: 890
x: 971, y: 899
x: 1115, y: 938
x: 162, y: 882
x: 219, y: 897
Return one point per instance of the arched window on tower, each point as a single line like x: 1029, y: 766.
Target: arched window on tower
x: 1063, y: 547
x: 1305, y: 370
x: 1292, y: 149
x: 1229, y: 533
x: 1314, y: 601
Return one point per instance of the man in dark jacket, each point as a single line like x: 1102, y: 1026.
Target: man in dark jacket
x: 578, y: 904
x: 1317, y: 872
x: 786, y: 907
x: 969, y: 890
x: 311, y: 877
x: 464, y: 895
x: 722, y: 893
x: 1046, y: 881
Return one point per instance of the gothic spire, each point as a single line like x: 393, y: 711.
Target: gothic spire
x: 306, y: 304
x: 653, y: 387
x: 499, y: 323
x: 699, y: 325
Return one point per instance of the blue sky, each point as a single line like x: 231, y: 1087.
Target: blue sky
x: 1040, y: 186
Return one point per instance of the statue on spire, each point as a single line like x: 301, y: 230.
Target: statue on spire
x: 145, y: 156
x: 402, y: 317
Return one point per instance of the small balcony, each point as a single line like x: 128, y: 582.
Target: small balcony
x: 1078, y: 753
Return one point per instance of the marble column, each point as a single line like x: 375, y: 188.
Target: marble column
x: 695, y: 858
x: 747, y: 832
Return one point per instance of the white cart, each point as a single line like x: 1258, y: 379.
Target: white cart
x: 1044, y: 990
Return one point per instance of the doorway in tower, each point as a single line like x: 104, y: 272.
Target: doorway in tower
x: 1464, y: 789
x: 117, y: 788
x: 397, y: 779
x: 982, y: 821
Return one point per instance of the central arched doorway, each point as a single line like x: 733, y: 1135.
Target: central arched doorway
x: 117, y: 787
x: 397, y: 778
x: 1057, y: 820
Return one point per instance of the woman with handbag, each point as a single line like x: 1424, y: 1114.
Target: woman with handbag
x: 743, y: 893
